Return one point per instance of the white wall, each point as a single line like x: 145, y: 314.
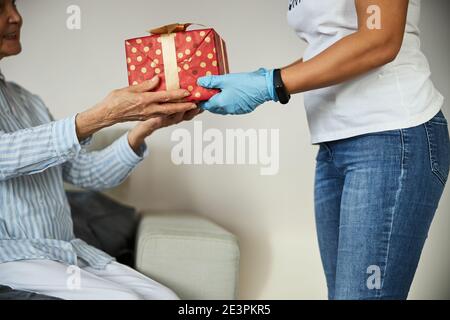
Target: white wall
x: 432, y: 279
x: 272, y: 215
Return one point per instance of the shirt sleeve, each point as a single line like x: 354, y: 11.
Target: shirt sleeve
x: 107, y: 168
x: 33, y: 150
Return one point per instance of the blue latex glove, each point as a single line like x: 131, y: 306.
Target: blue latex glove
x: 241, y: 92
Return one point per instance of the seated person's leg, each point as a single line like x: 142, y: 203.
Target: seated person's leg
x: 52, y: 278
x: 131, y: 279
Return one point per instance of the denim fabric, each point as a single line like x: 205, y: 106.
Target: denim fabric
x: 375, y: 198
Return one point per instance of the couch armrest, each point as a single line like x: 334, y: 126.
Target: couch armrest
x: 191, y: 255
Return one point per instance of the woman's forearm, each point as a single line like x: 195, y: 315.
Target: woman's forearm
x: 91, y: 121
x: 356, y: 54
x: 102, y: 169
x: 33, y: 150
x: 348, y: 58
x: 134, y: 103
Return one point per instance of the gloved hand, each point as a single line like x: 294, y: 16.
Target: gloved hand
x: 241, y: 92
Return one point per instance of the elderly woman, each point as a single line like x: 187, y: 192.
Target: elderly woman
x: 37, y: 154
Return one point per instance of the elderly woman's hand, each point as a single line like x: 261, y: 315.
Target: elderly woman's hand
x: 143, y: 129
x: 134, y: 103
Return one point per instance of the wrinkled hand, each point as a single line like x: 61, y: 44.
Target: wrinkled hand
x: 143, y: 129
x: 134, y: 103
x: 241, y: 92
x: 139, y: 102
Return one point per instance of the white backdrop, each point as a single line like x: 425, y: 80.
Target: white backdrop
x: 272, y: 215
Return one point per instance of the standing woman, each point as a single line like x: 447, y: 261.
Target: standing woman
x: 384, y: 144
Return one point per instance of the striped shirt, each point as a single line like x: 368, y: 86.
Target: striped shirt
x: 37, y: 154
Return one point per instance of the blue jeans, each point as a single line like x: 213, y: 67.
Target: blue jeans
x: 375, y: 197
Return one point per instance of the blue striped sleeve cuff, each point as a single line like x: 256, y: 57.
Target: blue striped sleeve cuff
x: 126, y: 154
x: 65, y: 138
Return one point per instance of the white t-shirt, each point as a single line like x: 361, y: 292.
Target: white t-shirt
x: 395, y: 96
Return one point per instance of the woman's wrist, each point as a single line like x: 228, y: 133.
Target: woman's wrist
x: 90, y: 121
x: 136, y: 140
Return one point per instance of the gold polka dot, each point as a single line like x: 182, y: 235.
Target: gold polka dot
x: 187, y: 52
x: 132, y: 67
x: 210, y: 56
x: 180, y: 55
x: 198, y: 53
x: 186, y: 67
x: 158, y: 52
x: 208, y: 39
x: 157, y: 71
x: 198, y: 95
x: 146, y: 49
x: 188, y: 39
x: 191, y: 88
x: 128, y: 44
x: 159, y: 40
x: 208, y: 73
x: 135, y: 83
x: 156, y: 61
x: 214, y: 63
x: 138, y: 41
x: 214, y: 50
x: 179, y: 69
x: 134, y: 50
x: 144, y: 70
x: 129, y: 60
x: 203, y: 65
x: 139, y: 59
x: 153, y: 65
x: 202, y: 34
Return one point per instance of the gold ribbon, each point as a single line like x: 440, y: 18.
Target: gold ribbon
x: 171, y: 28
x: 170, y: 61
x: 167, y: 33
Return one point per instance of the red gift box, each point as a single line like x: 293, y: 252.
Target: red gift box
x: 179, y: 57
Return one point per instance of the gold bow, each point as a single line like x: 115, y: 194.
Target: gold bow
x: 171, y: 28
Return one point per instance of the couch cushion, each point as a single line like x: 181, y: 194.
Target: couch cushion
x: 193, y: 256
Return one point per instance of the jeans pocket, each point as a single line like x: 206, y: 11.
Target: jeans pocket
x: 439, y: 147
